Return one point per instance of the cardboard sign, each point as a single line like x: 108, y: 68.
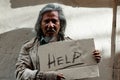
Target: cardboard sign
x: 73, y: 56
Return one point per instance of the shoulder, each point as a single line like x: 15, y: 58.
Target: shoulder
x: 28, y: 44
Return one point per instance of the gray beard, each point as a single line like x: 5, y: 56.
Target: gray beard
x: 50, y: 39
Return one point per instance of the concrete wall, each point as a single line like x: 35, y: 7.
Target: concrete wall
x: 10, y: 45
x: 82, y: 22
x: 85, y: 3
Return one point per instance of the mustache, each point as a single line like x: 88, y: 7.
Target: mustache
x: 51, y: 29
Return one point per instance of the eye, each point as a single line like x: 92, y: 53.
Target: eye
x: 54, y: 21
x: 47, y: 21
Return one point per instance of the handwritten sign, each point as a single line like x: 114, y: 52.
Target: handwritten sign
x: 69, y: 56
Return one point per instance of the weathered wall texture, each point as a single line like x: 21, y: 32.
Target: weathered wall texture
x: 85, y: 3
x: 82, y: 22
x: 10, y: 45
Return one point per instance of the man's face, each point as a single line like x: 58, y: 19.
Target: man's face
x: 50, y: 23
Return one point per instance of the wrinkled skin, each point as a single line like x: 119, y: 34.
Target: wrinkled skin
x: 50, y: 23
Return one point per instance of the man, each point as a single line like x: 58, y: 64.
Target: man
x: 49, y: 27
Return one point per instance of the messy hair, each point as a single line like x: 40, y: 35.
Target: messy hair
x: 51, y: 7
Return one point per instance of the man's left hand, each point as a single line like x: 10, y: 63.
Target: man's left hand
x: 97, y: 56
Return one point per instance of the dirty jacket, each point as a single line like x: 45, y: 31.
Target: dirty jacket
x: 28, y: 61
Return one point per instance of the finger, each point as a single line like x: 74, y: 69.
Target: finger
x: 61, y: 75
x: 97, y: 56
x: 96, y: 53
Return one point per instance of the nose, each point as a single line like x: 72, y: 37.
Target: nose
x: 50, y: 24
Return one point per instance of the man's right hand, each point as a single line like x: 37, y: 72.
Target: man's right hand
x: 60, y: 76
x: 50, y: 75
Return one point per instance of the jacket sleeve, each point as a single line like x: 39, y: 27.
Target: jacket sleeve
x: 24, y: 67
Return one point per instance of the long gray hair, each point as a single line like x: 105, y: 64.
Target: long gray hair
x: 51, y: 7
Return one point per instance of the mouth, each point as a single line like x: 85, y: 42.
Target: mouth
x: 50, y: 30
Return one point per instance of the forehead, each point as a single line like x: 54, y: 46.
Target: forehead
x: 50, y: 14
